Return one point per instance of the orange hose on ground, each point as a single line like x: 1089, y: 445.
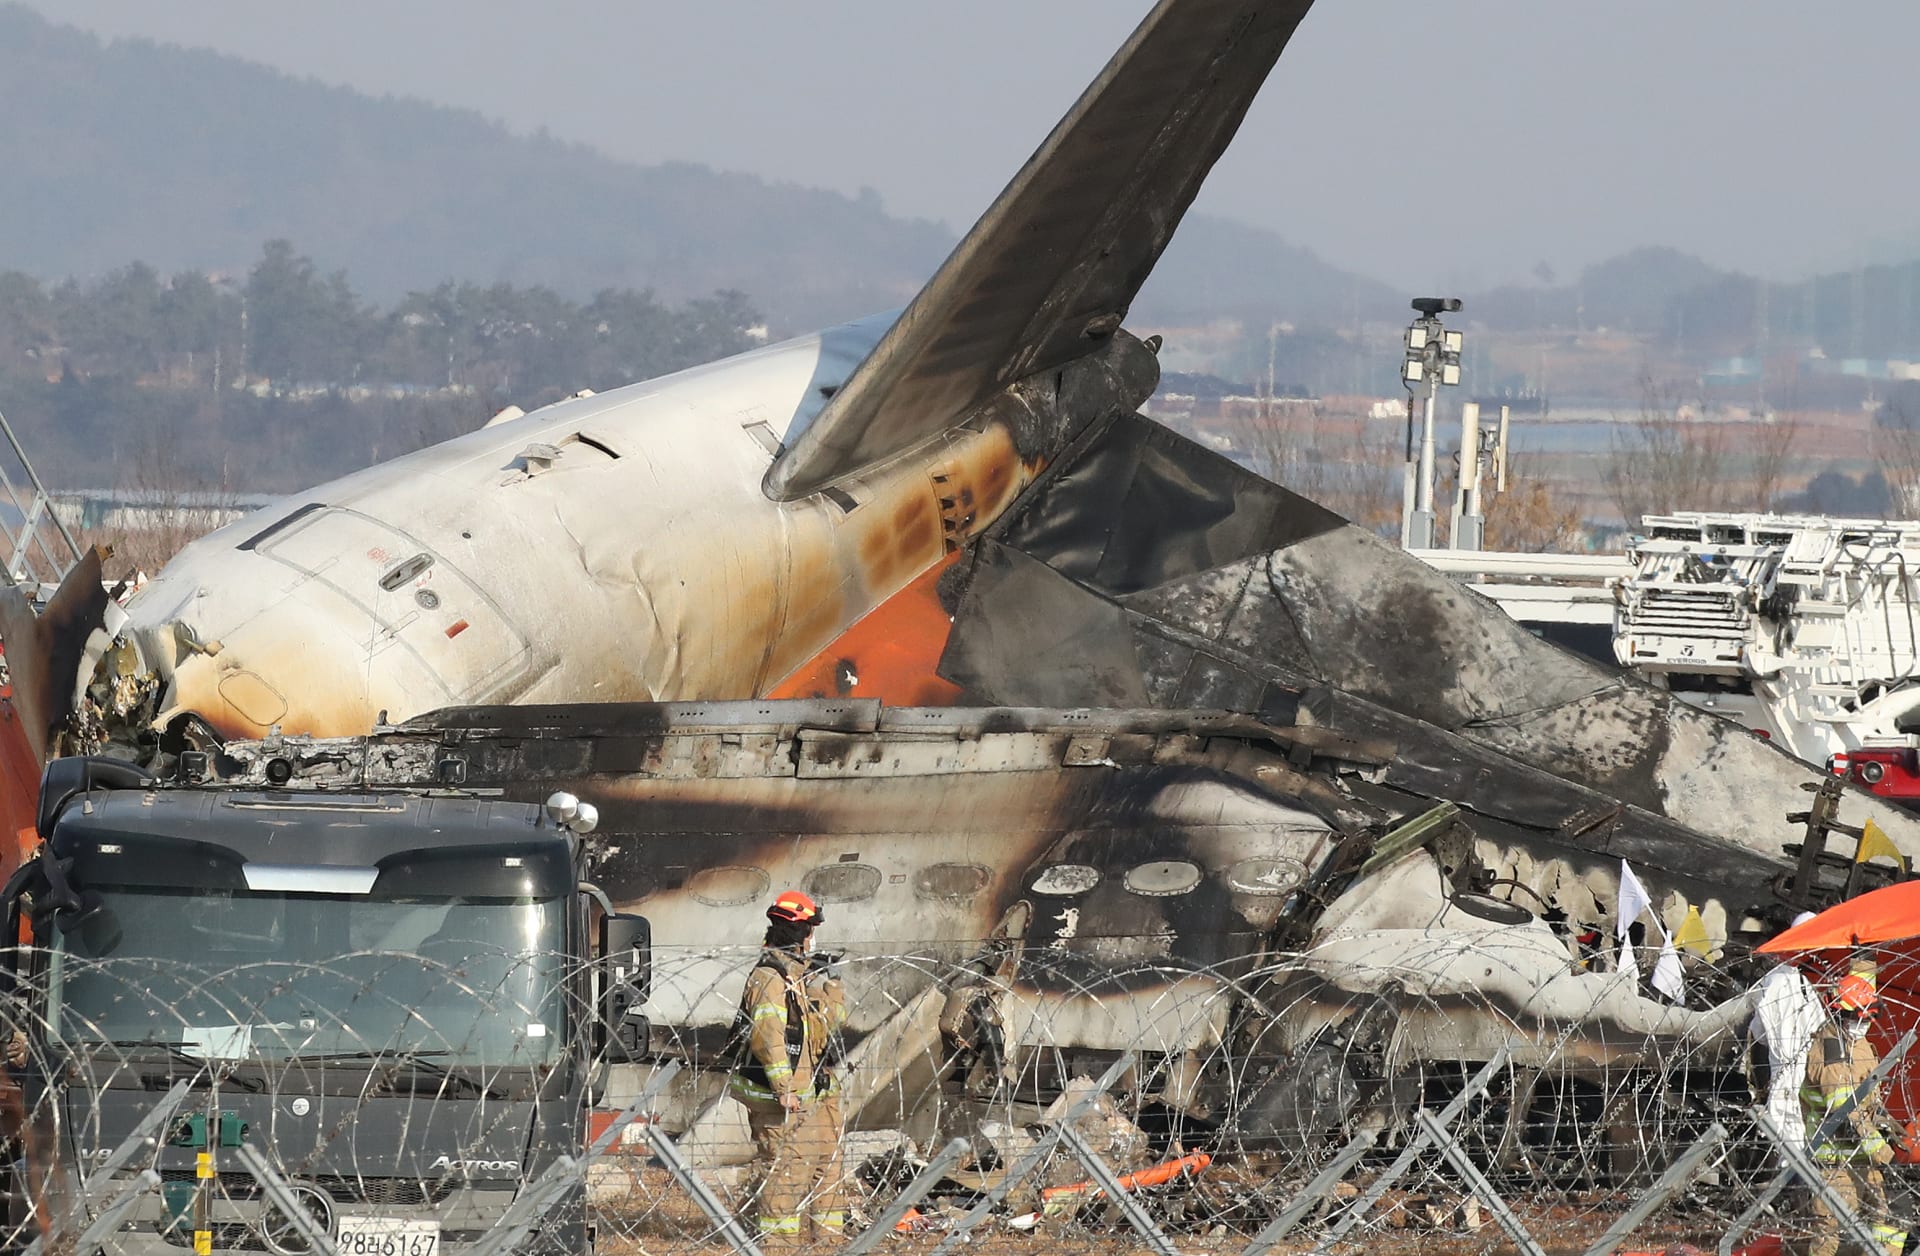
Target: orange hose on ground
x: 1154, y: 1175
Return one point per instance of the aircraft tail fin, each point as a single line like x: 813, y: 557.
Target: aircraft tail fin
x: 1051, y: 268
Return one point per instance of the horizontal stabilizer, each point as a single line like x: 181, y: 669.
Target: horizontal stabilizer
x: 1050, y: 270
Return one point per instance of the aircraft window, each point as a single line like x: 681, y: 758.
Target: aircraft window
x: 1265, y: 876
x: 728, y: 886
x: 950, y: 882
x: 1066, y: 879
x: 1163, y: 878
x: 842, y: 882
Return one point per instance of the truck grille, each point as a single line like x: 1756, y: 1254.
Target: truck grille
x: 344, y: 1190
x: 367, y: 1190
x: 1686, y: 613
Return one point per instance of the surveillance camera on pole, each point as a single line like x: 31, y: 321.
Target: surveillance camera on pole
x: 1432, y: 359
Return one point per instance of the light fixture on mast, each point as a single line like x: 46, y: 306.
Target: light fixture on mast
x: 1433, y: 359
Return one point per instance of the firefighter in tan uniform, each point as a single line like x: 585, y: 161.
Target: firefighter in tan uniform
x: 1838, y: 1063
x: 787, y: 1039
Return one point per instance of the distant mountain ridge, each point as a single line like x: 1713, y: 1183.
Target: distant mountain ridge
x: 1632, y: 292
x: 125, y: 150
x: 1218, y: 268
x: 181, y: 158
x: 122, y: 151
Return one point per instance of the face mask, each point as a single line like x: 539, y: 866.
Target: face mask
x: 1856, y: 1028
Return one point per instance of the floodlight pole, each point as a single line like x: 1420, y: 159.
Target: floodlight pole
x: 1433, y: 359
x: 1423, y: 478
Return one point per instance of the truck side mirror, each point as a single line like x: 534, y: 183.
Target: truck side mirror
x: 626, y: 979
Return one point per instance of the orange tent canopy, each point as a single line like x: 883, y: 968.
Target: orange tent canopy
x: 1885, y: 915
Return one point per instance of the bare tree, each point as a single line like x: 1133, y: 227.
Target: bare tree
x: 1896, y: 447
x: 161, y: 507
x: 1776, y: 433
x: 1667, y: 458
x: 1282, y: 442
x: 1348, y: 463
x: 1772, y: 457
x: 1529, y: 518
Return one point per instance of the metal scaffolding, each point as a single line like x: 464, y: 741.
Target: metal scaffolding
x: 40, y: 550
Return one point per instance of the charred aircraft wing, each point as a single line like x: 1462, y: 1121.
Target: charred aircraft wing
x: 1049, y: 271
x: 1142, y: 569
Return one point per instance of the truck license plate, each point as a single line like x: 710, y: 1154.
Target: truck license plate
x: 387, y: 1236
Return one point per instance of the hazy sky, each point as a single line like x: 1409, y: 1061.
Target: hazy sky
x: 1456, y: 143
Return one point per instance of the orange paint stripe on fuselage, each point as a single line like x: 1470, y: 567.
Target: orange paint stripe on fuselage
x: 891, y: 653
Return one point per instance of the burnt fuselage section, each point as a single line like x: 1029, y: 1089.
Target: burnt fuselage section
x: 1111, y: 851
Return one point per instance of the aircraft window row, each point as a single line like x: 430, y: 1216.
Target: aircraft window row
x: 1160, y: 878
x: 735, y: 885
x: 1167, y: 878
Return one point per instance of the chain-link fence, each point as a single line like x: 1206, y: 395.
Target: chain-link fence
x: 465, y: 1093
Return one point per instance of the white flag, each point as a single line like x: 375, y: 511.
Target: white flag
x: 1633, y: 900
x: 1666, y: 972
x: 1627, y: 963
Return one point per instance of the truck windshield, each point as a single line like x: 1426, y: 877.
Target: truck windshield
x: 235, y: 974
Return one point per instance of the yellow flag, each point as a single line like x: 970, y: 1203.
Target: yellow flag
x: 1692, y: 934
x: 1875, y: 842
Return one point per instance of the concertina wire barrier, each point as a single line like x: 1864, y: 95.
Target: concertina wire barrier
x: 1024, y: 1099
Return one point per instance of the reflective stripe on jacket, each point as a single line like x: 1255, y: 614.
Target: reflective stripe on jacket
x: 788, y: 1017
x: 1836, y: 1068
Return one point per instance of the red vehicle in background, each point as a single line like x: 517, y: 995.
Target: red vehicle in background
x: 1887, y: 766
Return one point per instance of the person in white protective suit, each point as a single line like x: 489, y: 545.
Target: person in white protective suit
x: 1787, y: 1012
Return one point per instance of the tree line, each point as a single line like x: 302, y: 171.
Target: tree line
x: 284, y: 375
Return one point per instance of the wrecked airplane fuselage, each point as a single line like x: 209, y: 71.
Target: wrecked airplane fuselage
x: 1212, y: 892
x: 727, y: 532
x: 705, y: 535
x: 609, y: 548
x: 1222, y: 893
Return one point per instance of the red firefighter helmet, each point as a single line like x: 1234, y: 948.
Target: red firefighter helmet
x: 1854, y: 992
x: 796, y: 907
